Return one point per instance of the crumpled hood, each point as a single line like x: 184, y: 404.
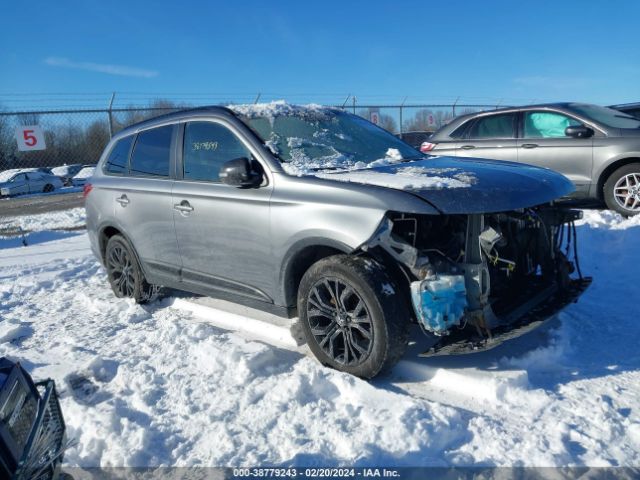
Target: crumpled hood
x: 469, y: 185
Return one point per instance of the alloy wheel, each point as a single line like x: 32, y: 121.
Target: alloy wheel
x: 121, y: 269
x: 340, y: 321
x: 626, y: 192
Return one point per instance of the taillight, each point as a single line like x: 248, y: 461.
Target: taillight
x: 427, y: 147
x: 86, y: 189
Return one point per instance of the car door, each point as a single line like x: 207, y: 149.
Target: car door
x: 19, y: 184
x: 223, y: 231
x: 143, y: 202
x: 35, y: 182
x: 543, y: 143
x: 491, y: 136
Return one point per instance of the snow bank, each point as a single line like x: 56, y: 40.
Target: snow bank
x: 608, y: 219
x: 62, y: 219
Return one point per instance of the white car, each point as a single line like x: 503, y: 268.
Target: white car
x: 23, y: 181
x: 82, y: 176
x: 67, y: 172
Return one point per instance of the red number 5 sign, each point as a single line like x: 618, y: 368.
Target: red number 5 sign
x: 30, y: 137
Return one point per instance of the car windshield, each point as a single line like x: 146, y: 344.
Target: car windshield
x: 314, y: 137
x: 86, y: 172
x: 606, y: 116
x: 63, y: 170
x: 7, y: 174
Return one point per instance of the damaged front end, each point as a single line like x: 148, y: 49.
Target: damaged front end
x: 477, y: 280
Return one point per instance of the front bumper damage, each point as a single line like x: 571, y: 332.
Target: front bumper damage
x: 485, y: 279
x: 521, y: 320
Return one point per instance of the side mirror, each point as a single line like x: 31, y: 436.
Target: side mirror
x: 238, y: 173
x: 578, y: 131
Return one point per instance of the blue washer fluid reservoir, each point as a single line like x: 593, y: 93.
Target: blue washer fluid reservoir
x: 439, y: 302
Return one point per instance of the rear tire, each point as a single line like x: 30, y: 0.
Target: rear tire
x: 351, y: 317
x: 622, y: 190
x: 48, y: 188
x: 125, y: 275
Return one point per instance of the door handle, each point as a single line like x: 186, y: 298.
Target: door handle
x: 183, y: 207
x: 123, y: 200
x: 468, y: 147
x: 529, y: 145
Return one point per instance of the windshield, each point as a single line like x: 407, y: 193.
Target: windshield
x: 7, y: 174
x: 606, y: 116
x: 86, y: 172
x: 314, y: 137
x: 63, y: 170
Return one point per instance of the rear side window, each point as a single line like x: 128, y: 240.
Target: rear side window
x: 152, y: 152
x: 494, y: 126
x: 119, y: 156
x: 207, y: 146
x: 460, y: 131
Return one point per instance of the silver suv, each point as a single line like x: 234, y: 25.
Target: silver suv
x: 597, y: 148
x: 315, y: 212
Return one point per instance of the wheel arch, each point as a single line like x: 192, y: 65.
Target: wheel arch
x: 109, y: 230
x: 609, y: 169
x: 298, y: 260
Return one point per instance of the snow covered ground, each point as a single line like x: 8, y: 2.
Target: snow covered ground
x: 167, y: 385
x: 41, y: 222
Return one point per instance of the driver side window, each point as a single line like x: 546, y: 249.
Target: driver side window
x: 547, y: 124
x: 207, y: 146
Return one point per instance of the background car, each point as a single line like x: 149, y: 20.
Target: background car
x: 83, y: 175
x: 415, y: 139
x: 22, y: 181
x: 632, y: 109
x: 67, y: 172
x: 596, y: 147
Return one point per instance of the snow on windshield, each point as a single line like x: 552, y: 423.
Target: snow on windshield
x: 86, y: 172
x: 312, y: 137
x: 330, y: 143
x: 61, y: 170
x: 7, y: 174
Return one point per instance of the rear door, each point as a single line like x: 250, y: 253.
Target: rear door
x: 491, y: 136
x: 223, y: 231
x: 35, y: 182
x: 544, y: 143
x: 143, y: 202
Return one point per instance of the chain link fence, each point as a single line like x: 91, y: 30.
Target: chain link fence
x: 36, y: 195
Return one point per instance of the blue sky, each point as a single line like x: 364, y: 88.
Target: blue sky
x: 481, y: 51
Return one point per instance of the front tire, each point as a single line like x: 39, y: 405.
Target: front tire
x: 125, y: 275
x: 351, y: 317
x: 622, y: 190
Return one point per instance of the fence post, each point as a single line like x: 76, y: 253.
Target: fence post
x: 354, y: 105
x: 110, y: 112
x: 401, y: 108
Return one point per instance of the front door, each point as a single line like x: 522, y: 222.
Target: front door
x: 223, y: 232
x: 543, y: 143
x: 19, y: 185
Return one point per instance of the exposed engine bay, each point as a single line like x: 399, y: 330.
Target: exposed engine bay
x: 475, y: 280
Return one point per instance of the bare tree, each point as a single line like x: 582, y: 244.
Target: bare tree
x: 385, y: 121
